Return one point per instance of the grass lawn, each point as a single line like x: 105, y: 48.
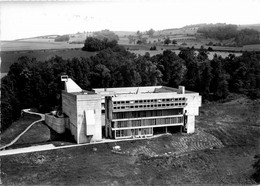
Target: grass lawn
x: 17, y: 127
x: 235, y: 123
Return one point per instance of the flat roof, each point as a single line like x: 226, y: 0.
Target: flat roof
x: 137, y: 90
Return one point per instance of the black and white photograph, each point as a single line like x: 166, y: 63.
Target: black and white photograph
x: 130, y: 92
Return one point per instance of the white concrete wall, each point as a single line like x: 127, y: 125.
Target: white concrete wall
x: 69, y: 107
x: 193, y: 104
x: 89, y: 118
x: 190, y: 124
x: 57, y: 124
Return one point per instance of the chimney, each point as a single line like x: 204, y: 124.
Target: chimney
x: 181, y: 90
x: 64, y: 78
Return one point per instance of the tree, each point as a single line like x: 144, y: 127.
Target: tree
x: 150, y: 32
x: 131, y: 39
x: 92, y: 44
x: 219, y: 84
x: 206, y: 77
x: 106, y: 34
x: 150, y: 74
x: 167, y: 41
x: 203, y: 54
x: 172, y: 67
x: 174, y: 42
x: 153, y: 48
x: 62, y: 38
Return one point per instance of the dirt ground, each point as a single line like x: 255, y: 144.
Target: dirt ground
x: 220, y: 152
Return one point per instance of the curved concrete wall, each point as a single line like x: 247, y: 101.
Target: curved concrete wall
x: 57, y: 124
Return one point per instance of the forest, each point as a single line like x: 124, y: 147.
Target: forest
x: 36, y: 84
x: 229, y: 31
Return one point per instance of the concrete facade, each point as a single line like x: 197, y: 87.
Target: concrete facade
x: 128, y: 112
x: 56, y: 123
x: 84, y: 111
x: 144, y: 110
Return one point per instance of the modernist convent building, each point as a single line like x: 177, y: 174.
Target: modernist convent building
x: 126, y: 112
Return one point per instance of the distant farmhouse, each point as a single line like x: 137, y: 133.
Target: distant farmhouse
x: 125, y: 112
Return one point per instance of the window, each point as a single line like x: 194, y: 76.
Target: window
x: 117, y: 133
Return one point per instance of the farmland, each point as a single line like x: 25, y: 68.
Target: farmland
x: 232, y: 126
x: 43, y: 49
x: 36, y: 44
x: 9, y: 57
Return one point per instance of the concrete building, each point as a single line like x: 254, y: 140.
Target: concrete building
x: 128, y: 112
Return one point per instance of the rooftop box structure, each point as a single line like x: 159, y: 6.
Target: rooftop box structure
x: 128, y: 112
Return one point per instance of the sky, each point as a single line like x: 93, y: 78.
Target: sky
x: 23, y: 19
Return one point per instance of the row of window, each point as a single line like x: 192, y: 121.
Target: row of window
x: 148, y: 101
x: 147, y: 113
x: 133, y: 132
x: 149, y: 106
x: 148, y: 122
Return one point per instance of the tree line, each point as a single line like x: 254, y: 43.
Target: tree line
x: 63, y: 38
x: 226, y: 32
x: 31, y: 83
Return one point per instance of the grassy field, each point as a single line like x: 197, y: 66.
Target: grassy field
x: 44, y: 49
x: 16, y: 128
x: 36, y: 45
x: 8, y: 58
x: 234, y: 123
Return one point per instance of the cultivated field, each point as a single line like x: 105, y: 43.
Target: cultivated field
x: 36, y: 45
x: 44, y: 49
x: 220, y: 152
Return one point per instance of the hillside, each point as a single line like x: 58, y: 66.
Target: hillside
x: 252, y: 26
x: 221, y: 151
